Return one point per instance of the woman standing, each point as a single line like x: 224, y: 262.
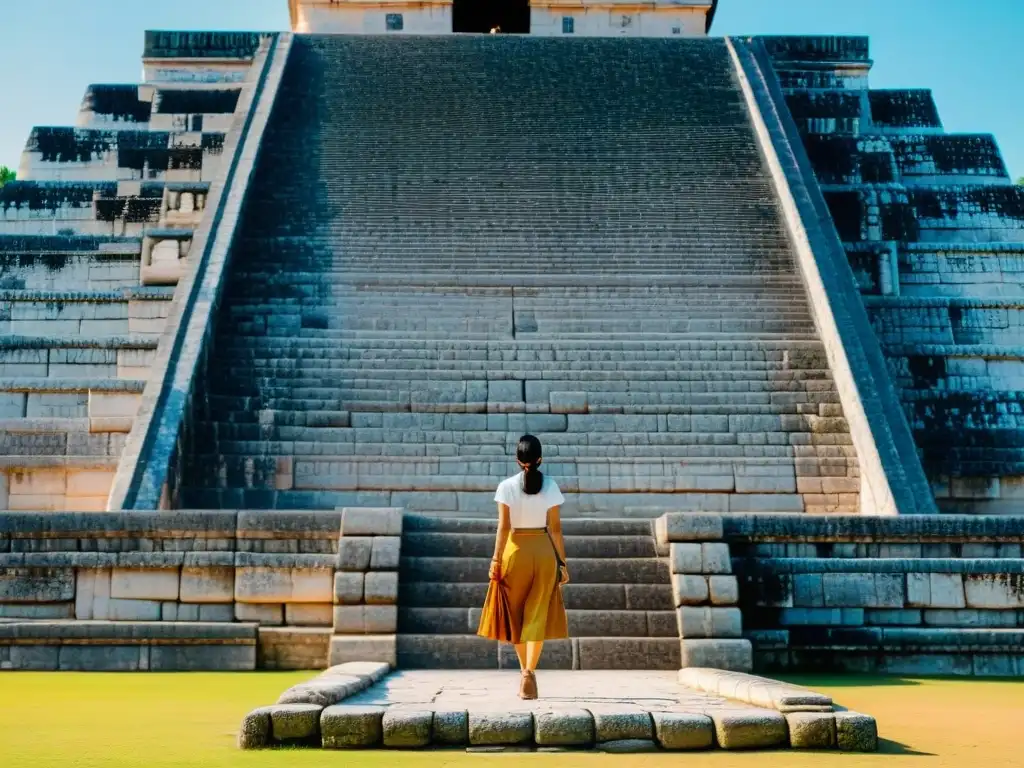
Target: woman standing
x: 528, y: 567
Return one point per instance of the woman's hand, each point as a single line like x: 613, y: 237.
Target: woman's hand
x: 563, y: 576
x: 494, y: 572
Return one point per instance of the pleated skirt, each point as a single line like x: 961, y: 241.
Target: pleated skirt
x: 526, y: 605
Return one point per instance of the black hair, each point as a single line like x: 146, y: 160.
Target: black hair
x: 528, y: 453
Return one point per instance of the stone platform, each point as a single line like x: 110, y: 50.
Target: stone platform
x: 610, y: 711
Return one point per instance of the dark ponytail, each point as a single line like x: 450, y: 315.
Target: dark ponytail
x: 528, y: 454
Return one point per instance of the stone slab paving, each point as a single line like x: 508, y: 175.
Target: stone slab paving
x: 358, y: 706
x: 493, y: 690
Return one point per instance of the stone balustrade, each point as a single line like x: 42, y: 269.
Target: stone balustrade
x: 705, y: 592
x: 366, y: 586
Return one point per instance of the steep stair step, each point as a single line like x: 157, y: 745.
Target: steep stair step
x: 582, y: 622
x: 471, y: 652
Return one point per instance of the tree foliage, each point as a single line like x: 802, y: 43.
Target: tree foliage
x: 6, y: 174
x: 1021, y: 181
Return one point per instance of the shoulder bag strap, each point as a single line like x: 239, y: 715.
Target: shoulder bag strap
x: 558, y: 557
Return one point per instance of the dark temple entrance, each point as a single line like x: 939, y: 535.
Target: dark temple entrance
x: 513, y: 16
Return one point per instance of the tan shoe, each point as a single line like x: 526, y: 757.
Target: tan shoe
x: 528, y: 686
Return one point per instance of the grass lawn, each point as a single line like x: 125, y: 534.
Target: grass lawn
x: 155, y: 720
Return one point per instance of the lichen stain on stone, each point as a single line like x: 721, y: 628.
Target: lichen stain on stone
x: 213, y: 143
x: 899, y: 223
x: 185, y: 159
x: 961, y: 154
x: 950, y: 203
x: 200, y: 45
x: 118, y: 102
x: 54, y: 262
x: 834, y: 158
x: 912, y: 108
x: 192, y: 102
x: 827, y: 48
x: 1014, y: 583
x: 866, y: 266
x: 848, y: 211
x: 70, y: 145
x: 826, y: 104
x: 138, y: 150
x: 141, y: 210
x: 49, y: 196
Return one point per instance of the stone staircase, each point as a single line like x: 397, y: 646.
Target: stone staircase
x: 433, y: 263
x: 620, y: 605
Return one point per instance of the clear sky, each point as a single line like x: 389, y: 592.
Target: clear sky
x: 970, y: 53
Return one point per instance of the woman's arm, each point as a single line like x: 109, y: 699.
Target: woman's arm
x: 504, y: 526
x: 555, y: 529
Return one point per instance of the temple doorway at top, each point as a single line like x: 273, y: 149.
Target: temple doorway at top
x: 513, y: 16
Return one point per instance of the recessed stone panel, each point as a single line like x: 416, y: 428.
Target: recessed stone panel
x: 145, y: 583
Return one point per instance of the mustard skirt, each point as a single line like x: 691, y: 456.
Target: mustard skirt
x: 526, y: 605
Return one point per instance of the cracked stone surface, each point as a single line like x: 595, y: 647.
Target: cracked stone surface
x: 487, y: 690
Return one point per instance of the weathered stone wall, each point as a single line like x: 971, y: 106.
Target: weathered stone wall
x: 909, y: 595
x: 94, y: 238
x: 80, y: 154
x: 221, y: 590
x: 934, y: 232
x: 199, y: 57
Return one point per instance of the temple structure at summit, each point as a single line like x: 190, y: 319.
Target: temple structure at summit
x: 273, y: 320
x: 604, y: 18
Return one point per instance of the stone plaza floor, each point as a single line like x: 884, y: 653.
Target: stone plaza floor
x: 360, y: 705
x: 486, y: 690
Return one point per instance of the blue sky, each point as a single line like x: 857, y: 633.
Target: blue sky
x: 970, y: 53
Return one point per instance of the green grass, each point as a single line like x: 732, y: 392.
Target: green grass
x: 162, y: 720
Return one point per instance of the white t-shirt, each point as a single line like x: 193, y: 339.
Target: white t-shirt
x: 528, y: 511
